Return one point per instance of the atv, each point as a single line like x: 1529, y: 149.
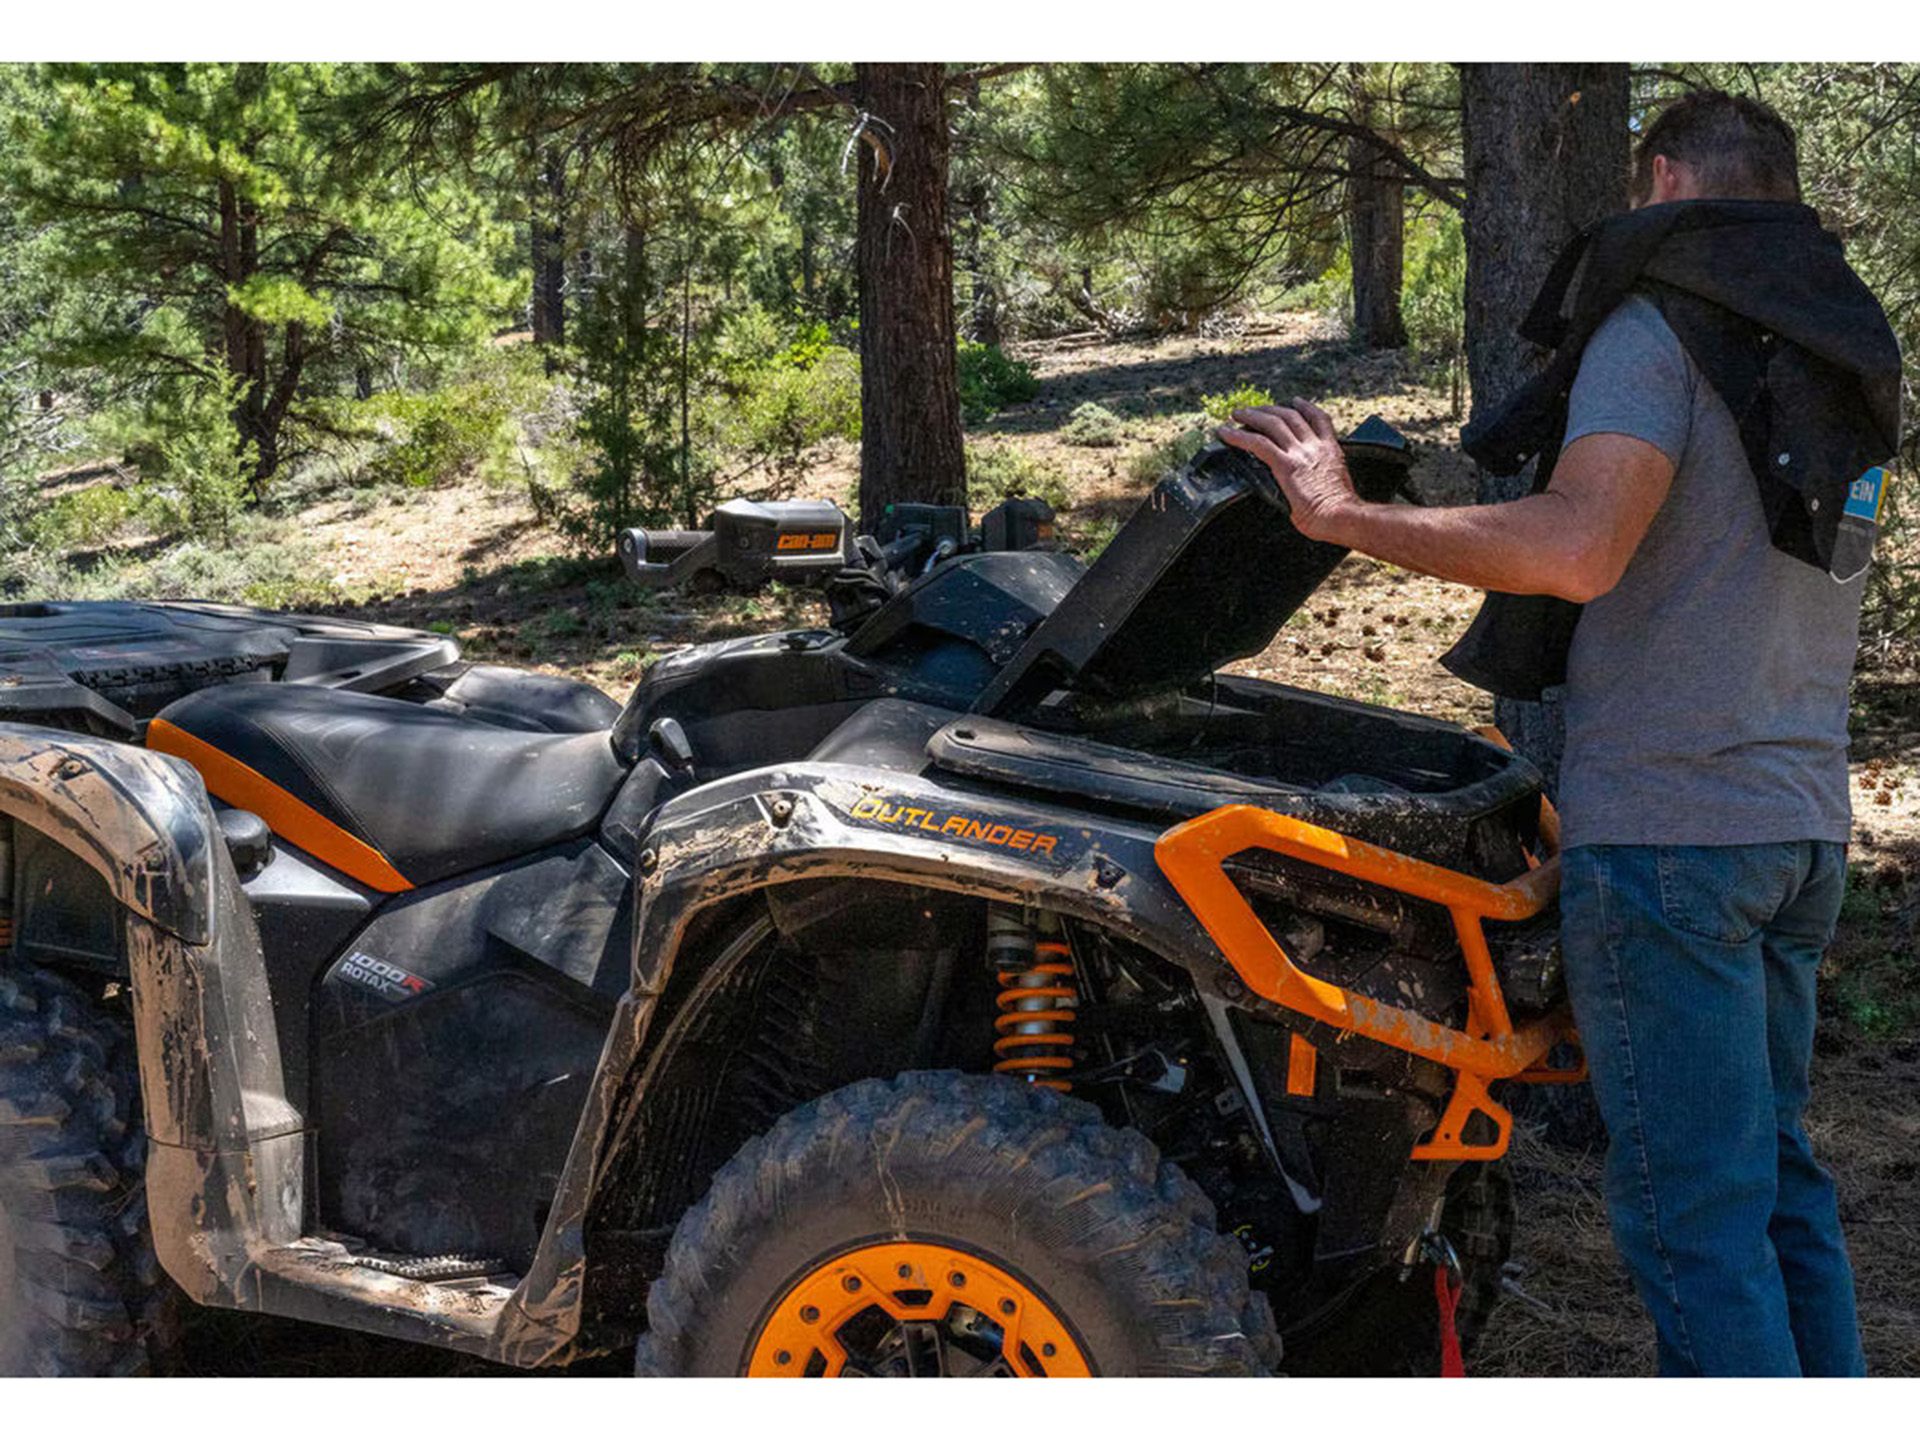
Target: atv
x: 982, y: 984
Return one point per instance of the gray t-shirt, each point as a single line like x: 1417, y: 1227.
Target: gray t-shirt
x: 1706, y: 696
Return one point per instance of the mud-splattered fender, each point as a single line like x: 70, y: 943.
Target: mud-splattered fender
x: 802, y: 822
x: 788, y: 823
x: 138, y: 817
x: 224, y: 1175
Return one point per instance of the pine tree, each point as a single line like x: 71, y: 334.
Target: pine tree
x: 230, y: 243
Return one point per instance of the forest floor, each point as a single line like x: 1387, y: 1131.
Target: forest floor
x: 476, y: 561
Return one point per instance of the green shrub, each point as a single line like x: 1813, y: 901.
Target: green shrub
x: 277, y: 574
x: 809, y: 395
x: 184, y: 447
x: 1220, y: 408
x: 991, y: 380
x: 1088, y: 543
x: 1002, y: 471
x: 1874, y: 975
x: 1433, y: 301
x: 1093, y: 425
x: 429, y: 438
x: 88, y: 519
x: 810, y: 346
x: 1890, y: 612
x: 1149, y: 465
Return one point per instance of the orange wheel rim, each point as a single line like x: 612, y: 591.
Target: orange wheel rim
x: 913, y: 1308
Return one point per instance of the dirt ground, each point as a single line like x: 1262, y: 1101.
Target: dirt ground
x: 476, y: 562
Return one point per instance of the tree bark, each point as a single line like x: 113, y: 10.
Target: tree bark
x: 1546, y: 151
x: 975, y: 204
x: 910, y: 441
x: 244, y: 337
x: 983, y: 306
x: 547, y: 224
x: 1376, y: 239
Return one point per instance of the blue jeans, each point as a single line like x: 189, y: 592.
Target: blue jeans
x: 1692, y: 975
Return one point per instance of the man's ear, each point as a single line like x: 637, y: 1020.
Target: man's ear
x: 1661, y: 180
x: 1672, y: 180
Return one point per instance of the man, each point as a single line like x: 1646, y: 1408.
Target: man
x: 1704, y: 788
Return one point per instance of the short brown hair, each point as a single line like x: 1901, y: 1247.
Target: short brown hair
x: 1739, y: 148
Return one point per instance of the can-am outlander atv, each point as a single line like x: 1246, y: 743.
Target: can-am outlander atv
x: 982, y: 985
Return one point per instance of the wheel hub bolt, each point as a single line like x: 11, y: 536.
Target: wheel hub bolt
x: 957, y: 1280
x: 1007, y: 1307
x: 809, y: 1313
x: 851, y: 1283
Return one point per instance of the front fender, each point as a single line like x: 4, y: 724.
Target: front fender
x: 141, y: 819
x: 225, y: 1148
x: 789, y: 823
x: 814, y: 821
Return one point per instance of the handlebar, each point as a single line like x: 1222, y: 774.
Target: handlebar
x: 671, y: 544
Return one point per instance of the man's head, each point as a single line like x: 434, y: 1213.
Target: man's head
x: 1709, y: 145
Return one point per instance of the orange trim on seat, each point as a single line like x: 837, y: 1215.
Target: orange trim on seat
x: 289, y: 817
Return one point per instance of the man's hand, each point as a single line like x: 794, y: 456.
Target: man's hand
x: 1298, y: 444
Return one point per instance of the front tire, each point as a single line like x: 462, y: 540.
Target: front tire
x: 80, y: 1290
x: 953, y: 1224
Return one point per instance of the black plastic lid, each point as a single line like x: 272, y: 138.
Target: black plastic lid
x: 1205, y: 572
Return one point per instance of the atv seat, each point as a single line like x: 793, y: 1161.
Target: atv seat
x: 390, y: 793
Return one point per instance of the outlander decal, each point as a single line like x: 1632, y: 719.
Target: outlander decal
x: 946, y: 822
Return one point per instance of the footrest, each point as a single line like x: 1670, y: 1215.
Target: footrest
x: 431, y: 1267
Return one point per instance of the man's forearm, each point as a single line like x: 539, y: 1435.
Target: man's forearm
x: 1574, y: 539
x: 1530, y: 546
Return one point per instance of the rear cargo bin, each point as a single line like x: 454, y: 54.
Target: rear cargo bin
x: 1420, y: 787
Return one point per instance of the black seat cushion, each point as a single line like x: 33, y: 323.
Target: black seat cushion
x: 392, y: 793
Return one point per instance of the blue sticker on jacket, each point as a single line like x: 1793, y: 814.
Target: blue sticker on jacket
x: 1865, y: 495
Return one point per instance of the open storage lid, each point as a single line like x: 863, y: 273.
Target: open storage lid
x: 1206, y: 571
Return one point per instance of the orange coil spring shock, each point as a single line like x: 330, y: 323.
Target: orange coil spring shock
x: 1037, y: 1001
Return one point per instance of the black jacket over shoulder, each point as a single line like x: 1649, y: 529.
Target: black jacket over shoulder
x: 1789, y: 337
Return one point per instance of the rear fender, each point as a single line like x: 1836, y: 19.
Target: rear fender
x: 225, y: 1148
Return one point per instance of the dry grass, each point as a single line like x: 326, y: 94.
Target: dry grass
x: 1576, y: 1314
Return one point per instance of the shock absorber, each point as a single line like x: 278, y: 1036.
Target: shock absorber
x: 1037, y: 997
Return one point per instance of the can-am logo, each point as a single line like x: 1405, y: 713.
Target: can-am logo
x: 961, y: 827
x: 388, y: 981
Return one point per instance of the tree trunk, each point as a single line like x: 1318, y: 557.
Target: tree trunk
x: 547, y: 224
x: 633, y: 377
x: 244, y: 337
x: 1546, y: 151
x: 910, y: 444
x: 1376, y: 236
x: 1376, y: 233
x: 975, y: 204
x: 983, y: 307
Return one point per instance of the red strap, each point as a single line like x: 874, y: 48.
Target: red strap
x: 1446, y: 1295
